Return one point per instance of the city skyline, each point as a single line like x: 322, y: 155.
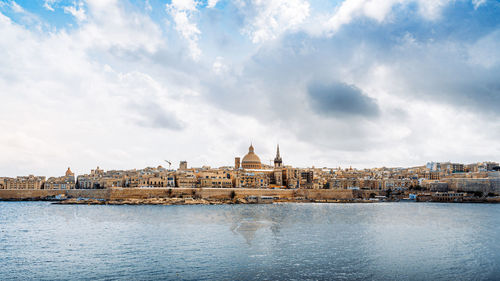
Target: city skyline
x: 127, y: 84
x: 239, y: 163
x: 249, y: 172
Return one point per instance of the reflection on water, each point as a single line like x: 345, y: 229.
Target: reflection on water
x: 248, y: 242
x: 247, y: 229
x: 247, y: 221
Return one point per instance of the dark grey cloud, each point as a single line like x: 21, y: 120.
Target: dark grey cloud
x: 341, y: 100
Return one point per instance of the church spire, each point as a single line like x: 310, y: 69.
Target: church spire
x: 277, y: 160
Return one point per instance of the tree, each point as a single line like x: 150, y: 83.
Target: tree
x: 417, y: 187
x: 388, y: 192
x: 195, y: 196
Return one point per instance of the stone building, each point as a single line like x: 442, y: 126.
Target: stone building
x: 253, y: 179
x: 65, y: 182
x: 237, y: 163
x: 25, y: 182
x: 90, y: 181
x: 186, y: 180
x: 217, y: 182
x: 183, y: 165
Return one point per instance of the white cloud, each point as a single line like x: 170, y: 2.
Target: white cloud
x: 212, y: 3
x: 186, y: 5
x: 16, y: 8
x: 219, y: 67
x: 182, y: 12
x: 77, y: 11
x: 484, y: 52
x: 147, y: 6
x: 431, y: 9
x: 109, y: 26
x: 66, y: 101
x: 26, y: 17
x: 48, y: 4
x: 378, y: 10
x: 273, y: 18
x: 112, y: 91
x: 478, y: 3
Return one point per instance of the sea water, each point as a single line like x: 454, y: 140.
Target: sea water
x: 378, y: 241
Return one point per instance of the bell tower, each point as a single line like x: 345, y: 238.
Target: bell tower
x: 278, y: 168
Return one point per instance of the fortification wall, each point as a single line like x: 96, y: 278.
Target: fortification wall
x: 89, y: 193
x: 326, y: 194
x: 25, y: 194
x: 224, y: 193
x: 207, y: 193
x: 22, y: 194
x: 472, y: 185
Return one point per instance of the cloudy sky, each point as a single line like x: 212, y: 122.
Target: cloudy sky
x: 128, y: 84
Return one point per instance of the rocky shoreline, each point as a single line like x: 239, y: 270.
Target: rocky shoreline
x: 218, y: 196
x: 188, y: 201
x: 149, y: 201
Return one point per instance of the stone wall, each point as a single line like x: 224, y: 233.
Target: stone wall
x: 207, y: 193
x: 89, y: 193
x: 327, y: 194
x: 21, y: 194
x: 471, y: 185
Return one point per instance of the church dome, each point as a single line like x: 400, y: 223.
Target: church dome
x: 251, y: 160
x: 69, y: 173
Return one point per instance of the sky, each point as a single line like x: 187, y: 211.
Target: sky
x: 130, y: 84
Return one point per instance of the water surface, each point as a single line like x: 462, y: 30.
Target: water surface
x: 384, y: 241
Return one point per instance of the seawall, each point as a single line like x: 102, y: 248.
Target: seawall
x: 206, y: 193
